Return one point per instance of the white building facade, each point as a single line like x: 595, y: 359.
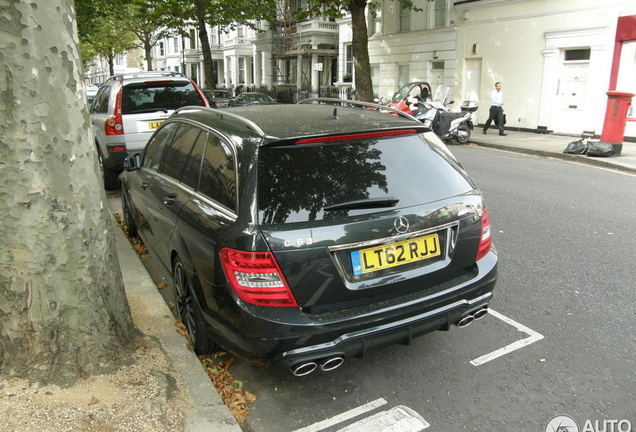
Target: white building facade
x: 556, y: 59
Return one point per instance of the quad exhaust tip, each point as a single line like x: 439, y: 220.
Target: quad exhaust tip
x: 468, y: 319
x: 327, y: 365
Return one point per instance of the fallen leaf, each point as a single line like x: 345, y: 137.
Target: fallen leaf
x: 93, y: 401
x: 162, y: 285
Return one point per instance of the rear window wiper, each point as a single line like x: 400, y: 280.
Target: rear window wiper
x: 364, y: 204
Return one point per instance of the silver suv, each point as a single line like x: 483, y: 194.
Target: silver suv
x: 127, y: 110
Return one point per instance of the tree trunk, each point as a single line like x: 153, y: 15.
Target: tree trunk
x: 63, y: 310
x: 111, y: 64
x: 205, y: 48
x: 360, y: 45
x: 148, y: 50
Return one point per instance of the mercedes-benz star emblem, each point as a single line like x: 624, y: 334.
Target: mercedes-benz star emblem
x: 401, y: 225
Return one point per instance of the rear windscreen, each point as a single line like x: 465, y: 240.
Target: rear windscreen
x: 150, y: 97
x: 300, y: 183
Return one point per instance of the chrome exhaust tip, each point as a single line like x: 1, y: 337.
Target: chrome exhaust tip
x: 466, y: 321
x: 480, y: 313
x: 304, y: 369
x: 331, y: 364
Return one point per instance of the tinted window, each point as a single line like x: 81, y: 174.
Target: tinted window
x: 217, y: 173
x: 100, y: 104
x: 193, y: 165
x: 149, y: 97
x: 297, y: 182
x: 157, y: 146
x: 179, y: 151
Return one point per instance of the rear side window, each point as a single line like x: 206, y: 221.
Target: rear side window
x: 218, y: 175
x: 157, y: 145
x: 180, y: 150
x: 100, y: 104
x: 297, y: 182
x: 149, y: 97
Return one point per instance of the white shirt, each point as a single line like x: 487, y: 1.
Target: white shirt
x: 496, y: 98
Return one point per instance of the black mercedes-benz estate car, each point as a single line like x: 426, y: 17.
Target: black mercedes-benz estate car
x: 304, y: 234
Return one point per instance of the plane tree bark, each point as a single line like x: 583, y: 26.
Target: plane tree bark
x: 63, y: 310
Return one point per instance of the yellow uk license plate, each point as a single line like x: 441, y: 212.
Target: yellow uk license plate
x: 154, y: 124
x: 395, y: 254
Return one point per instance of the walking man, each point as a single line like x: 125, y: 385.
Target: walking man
x: 496, y: 110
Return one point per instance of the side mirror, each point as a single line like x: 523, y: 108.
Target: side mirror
x: 132, y: 162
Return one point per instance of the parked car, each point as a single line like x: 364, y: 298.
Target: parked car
x: 128, y: 108
x: 218, y: 98
x: 91, y: 91
x: 245, y: 99
x: 304, y: 234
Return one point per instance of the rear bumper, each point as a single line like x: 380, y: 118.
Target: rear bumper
x: 287, y: 336
x: 356, y: 344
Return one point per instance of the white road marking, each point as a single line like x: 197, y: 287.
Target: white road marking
x: 343, y: 417
x: 534, y: 336
x: 397, y: 419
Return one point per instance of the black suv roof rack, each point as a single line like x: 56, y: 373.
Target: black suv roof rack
x: 249, y: 123
x: 129, y: 75
x: 361, y: 104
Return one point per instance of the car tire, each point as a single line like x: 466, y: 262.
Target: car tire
x: 126, y: 216
x: 189, y: 311
x: 111, y: 178
x: 463, y: 134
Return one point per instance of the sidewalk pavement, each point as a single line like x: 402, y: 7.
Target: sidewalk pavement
x: 210, y: 413
x: 550, y: 145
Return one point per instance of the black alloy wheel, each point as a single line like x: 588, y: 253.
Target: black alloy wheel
x: 189, y: 311
x: 126, y: 217
x: 463, y: 134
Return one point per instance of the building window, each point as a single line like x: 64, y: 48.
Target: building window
x: 349, y: 60
x: 161, y: 51
x: 241, y: 71
x: 374, y: 20
x: 405, y: 19
x: 440, y: 13
x: 375, y: 80
x: 403, y: 75
x: 577, y: 54
x: 240, y: 32
x: 437, y: 73
x: 176, y: 44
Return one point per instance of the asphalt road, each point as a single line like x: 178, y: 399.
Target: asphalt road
x: 560, y: 340
x: 565, y: 234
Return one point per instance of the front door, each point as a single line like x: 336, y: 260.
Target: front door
x: 569, y: 109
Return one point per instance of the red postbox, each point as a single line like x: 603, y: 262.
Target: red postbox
x: 615, y: 119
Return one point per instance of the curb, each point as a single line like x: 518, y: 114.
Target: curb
x: 569, y: 157
x: 209, y: 412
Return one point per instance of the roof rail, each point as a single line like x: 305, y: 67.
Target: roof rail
x: 361, y: 104
x: 145, y: 74
x: 222, y: 113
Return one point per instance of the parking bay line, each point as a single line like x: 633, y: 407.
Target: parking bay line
x: 534, y: 337
x: 343, y: 417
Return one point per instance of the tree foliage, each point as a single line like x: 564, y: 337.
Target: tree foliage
x: 360, y: 42
x: 101, y: 30
x: 185, y: 14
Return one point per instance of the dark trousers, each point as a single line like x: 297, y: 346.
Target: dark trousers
x: 496, y: 114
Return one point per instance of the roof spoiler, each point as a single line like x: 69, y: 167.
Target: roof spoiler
x: 346, y: 102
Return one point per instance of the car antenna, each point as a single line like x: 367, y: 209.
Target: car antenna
x: 335, y: 114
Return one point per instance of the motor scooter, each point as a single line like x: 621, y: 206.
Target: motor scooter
x: 449, y: 126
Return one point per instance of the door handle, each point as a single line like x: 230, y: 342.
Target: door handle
x: 170, y: 199
x: 144, y: 185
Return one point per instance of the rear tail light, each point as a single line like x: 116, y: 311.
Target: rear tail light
x: 357, y: 136
x: 485, y: 243
x: 115, y: 124
x: 256, y: 278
